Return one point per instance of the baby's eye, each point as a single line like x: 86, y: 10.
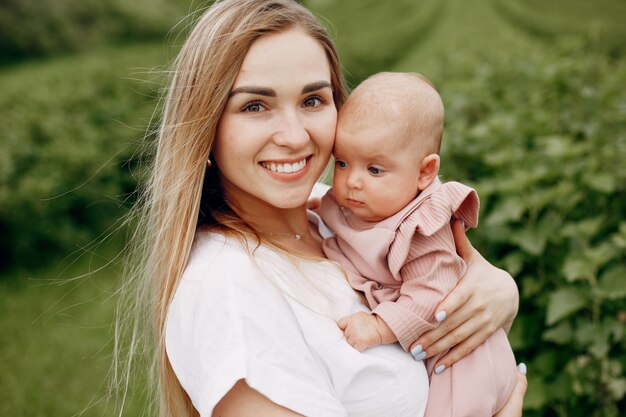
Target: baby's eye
x: 374, y: 170
x: 313, y: 101
x: 254, y: 107
x: 341, y: 164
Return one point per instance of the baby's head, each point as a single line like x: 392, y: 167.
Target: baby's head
x: 387, y: 143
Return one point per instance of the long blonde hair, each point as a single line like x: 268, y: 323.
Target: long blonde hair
x: 181, y: 193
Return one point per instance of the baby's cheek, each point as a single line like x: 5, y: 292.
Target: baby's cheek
x: 338, y: 182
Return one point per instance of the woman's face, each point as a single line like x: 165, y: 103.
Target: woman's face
x: 276, y: 134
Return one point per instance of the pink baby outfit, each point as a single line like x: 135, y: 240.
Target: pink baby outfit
x: 405, y: 266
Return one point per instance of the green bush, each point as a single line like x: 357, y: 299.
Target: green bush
x: 36, y: 28
x: 600, y: 19
x: 370, y: 35
x: 548, y: 162
x: 69, y: 130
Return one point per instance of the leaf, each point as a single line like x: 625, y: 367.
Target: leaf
x: 564, y: 302
x: 612, y: 283
x: 600, y: 347
x: 585, y: 228
x: 586, y: 332
x: 530, y: 240
x: 603, y: 183
x: 576, y: 268
x: 561, y: 334
x: 513, y: 263
x: 617, y: 388
x: 510, y: 209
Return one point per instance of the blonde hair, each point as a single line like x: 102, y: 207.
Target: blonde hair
x: 181, y: 193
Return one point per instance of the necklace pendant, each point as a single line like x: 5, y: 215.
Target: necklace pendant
x: 297, y: 236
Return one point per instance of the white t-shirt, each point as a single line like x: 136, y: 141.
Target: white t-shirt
x: 256, y: 314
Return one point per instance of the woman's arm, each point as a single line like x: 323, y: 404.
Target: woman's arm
x: 243, y: 401
x: 485, y: 299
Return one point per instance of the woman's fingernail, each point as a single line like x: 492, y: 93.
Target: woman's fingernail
x: 441, y: 316
x: 416, y: 349
x: 522, y: 368
x: 420, y: 356
x: 440, y: 369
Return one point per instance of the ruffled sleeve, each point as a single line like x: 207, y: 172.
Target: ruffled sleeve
x: 433, y: 212
x: 227, y: 322
x: 424, y: 259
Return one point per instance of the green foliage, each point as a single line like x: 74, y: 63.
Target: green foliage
x: 548, y: 162
x: 35, y: 28
x: 70, y: 128
x: 371, y: 36
x: 602, y: 20
x: 58, y: 337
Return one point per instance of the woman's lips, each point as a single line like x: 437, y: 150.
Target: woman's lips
x: 287, y: 170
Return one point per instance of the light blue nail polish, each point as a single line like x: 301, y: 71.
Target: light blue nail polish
x: 440, y: 369
x: 522, y: 368
x: 440, y: 316
x: 416, y: 349
x: 420, y: 356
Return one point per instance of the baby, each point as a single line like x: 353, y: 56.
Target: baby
x: 391, y: 216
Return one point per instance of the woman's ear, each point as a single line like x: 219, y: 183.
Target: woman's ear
x: 429, y: 168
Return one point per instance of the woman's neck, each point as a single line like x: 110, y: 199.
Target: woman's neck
x: 287, y: 228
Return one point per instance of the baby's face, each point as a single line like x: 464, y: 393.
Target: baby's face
x: 376, y: 169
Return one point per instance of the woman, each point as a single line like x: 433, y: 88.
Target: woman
x: 244, y: 303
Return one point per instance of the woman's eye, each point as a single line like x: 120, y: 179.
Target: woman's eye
x: 313, y: 102
x: 374, y: 170
x: 254, y: 107
x: 341, y: 164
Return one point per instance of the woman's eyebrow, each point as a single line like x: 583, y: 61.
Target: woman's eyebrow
x: 261, y: 91
x: 315, y: 86
x: 268, y: 92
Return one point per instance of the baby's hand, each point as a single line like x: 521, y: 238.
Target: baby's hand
x: 363, y: 330
x: 314, y: 203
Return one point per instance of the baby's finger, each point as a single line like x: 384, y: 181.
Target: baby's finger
x: 343, y: 323
x: 314, y: 203
x: 360, y: 346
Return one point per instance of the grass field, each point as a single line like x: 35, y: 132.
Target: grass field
x: 56, y: 321
x: 57, y: 337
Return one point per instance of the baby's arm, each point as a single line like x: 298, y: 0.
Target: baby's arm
x: 431, y: 273
x: 364, y: 330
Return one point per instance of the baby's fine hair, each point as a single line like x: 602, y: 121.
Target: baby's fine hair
x: 402, y: 97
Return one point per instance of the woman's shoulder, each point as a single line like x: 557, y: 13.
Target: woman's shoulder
x: 215, y: 253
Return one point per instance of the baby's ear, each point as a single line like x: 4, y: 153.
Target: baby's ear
x: 429, y: 168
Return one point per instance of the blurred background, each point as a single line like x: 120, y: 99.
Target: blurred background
x: 535, y: 96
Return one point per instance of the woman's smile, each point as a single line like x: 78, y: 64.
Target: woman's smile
x: 275, y: 136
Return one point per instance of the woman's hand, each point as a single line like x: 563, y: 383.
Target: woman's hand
x: 485, y: 299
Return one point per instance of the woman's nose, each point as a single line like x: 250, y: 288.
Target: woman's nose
x: 291, y: 131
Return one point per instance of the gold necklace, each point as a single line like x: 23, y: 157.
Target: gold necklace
x: 296, y: 236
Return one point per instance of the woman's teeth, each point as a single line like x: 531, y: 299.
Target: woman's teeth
x: 287, y: 168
